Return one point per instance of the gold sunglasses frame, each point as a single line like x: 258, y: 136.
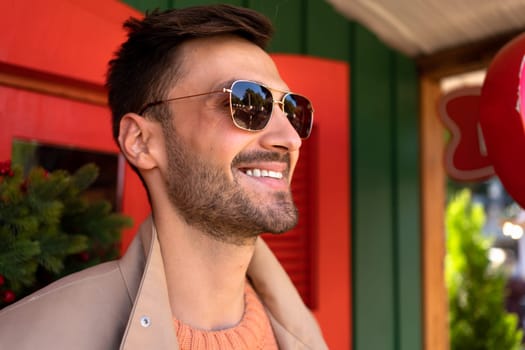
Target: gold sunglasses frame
x: 230, y: 91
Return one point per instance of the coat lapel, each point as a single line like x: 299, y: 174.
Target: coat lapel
x: 150, y: 324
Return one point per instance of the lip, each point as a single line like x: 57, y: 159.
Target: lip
x: 270, y: 166
x: 268, y: 182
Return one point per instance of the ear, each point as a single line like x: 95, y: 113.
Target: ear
x: 135, y: 138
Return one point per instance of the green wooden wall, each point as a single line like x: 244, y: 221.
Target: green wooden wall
x: 386, y: 253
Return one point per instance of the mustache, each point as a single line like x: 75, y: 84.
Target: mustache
x: 261, y: 156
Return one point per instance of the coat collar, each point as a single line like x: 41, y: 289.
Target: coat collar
x: 143, y: 270
x: 151, y: 311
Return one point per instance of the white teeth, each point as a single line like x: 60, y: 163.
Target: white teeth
x: 275, y: 174
x: 264, y: 173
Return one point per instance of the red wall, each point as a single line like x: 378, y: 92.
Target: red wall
x: 73, y: 38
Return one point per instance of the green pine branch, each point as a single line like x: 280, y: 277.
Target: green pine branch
x: 48, y: 229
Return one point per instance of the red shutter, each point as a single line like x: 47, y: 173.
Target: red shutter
x: 295, y: 249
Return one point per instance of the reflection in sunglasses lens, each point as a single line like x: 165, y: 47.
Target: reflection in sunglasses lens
x: 252, y: 104
x: 298, y: 111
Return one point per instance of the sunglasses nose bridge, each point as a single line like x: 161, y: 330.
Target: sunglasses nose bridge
x: 280, y: 103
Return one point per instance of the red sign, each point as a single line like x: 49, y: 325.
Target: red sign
x: 466, y: 156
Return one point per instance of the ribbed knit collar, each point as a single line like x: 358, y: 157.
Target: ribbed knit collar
x: 252, y: 332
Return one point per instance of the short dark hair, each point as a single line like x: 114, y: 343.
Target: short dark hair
x: 145, y: 67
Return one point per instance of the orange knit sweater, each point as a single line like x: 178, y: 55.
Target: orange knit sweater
x: 254, y: 331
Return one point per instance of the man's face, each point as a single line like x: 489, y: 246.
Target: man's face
x: 221, y: 179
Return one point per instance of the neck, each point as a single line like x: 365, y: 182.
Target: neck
x: 205, y: 277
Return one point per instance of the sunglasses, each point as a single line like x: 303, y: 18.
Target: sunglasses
x: 251, y: 106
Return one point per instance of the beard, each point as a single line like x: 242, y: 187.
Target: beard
x: 209, y: 200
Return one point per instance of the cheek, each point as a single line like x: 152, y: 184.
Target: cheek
x: 207, y: 130
x: 216, y: 147
x: 219, y: 137
x: 212, y: 136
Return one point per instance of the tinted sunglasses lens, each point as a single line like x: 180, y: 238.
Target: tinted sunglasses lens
x: 300, y: 113
x: 251, y: 105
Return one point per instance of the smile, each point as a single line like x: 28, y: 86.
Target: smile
x: 264, y: 173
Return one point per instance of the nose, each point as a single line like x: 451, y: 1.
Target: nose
x: 279, y: 134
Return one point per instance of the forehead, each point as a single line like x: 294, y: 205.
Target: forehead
x: 208, y: 63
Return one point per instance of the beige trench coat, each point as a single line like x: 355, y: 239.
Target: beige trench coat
x: 124, y: 305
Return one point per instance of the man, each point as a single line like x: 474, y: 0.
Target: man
x: 202, y: 115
